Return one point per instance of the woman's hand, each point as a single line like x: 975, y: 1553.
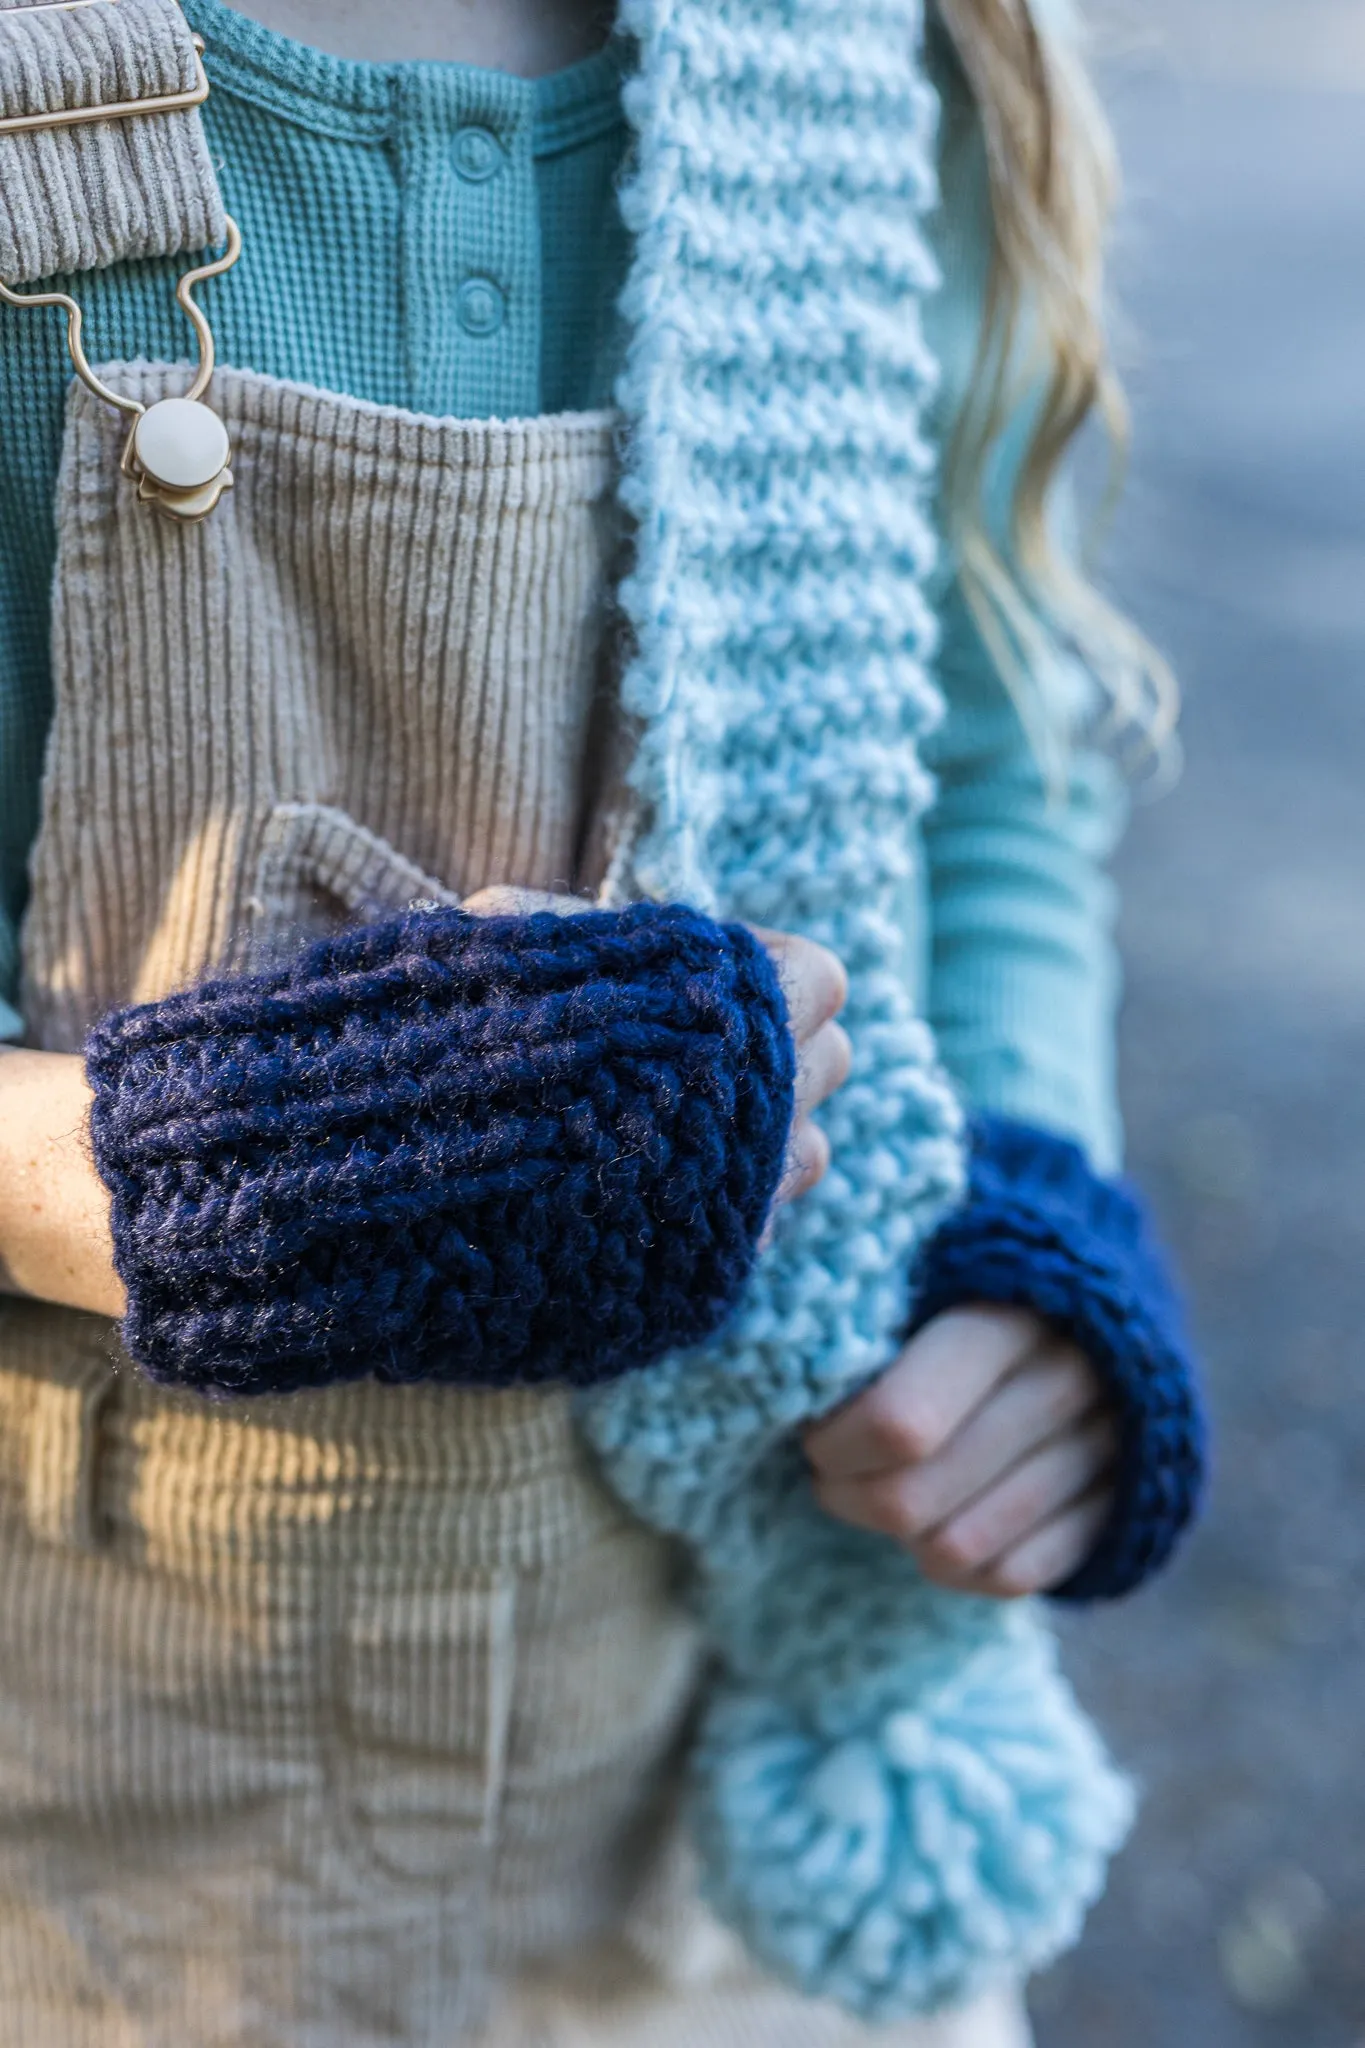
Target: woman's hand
x: 987, y: 1449
x: 54, y: 1208
x: 815, y: 986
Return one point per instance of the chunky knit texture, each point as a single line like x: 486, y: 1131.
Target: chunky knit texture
x: 1041, y: 1230
x: 485, y: 1151
x: 775, y: 391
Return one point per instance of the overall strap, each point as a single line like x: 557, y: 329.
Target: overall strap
x: 102, y: 158
x: 102, y: 151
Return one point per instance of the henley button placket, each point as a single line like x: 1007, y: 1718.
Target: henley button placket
x: 472, y: 240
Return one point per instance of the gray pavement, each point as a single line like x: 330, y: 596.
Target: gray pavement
x: 1236, y: 1690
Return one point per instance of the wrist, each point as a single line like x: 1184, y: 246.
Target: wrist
x: 55, y: 1242
x: 1041, y: 1230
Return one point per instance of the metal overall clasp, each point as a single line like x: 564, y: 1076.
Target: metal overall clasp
x: 177, y: 451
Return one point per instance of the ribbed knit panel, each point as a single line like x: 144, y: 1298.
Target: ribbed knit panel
x: 368, y: 678
x: 82, y: 197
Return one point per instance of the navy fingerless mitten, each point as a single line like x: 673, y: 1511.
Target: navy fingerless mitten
x: 1041, y: 1230
x: 480, y: 1150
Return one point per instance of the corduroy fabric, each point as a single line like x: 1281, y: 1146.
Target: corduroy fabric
x: 1040, y: 1229
x: 79, y: 198
x: 320, y: 1717
x: 612, y: 2001
x: 487, y: 1151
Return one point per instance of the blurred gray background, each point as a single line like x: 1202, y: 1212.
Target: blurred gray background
x: 1236, y: 1690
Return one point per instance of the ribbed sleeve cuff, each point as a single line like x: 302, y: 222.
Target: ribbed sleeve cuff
x: 480, y: 1150
x: 1041, y: 1230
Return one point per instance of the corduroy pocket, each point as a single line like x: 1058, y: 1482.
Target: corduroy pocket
x: 424, y: 1688
x: 317, y: 869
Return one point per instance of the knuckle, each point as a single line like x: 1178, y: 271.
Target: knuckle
x: 959, y: 1550
x: 1061, y: 1397
x: 822, y: 975
x: 1011, y: 1581
x: 817, y: 1154
x: 834, y: 986
x: 1031, y: 1500
x: 808, y: 1157
x: 901, y: 1432
x: 841, y: 1054
x: 906, y: 1515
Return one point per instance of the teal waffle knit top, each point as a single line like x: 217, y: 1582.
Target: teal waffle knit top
x: 446, y: 239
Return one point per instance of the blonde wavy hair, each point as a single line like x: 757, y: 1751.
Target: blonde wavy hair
x: 1053, y: 178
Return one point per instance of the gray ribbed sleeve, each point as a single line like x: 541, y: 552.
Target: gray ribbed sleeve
x: 79, y: 198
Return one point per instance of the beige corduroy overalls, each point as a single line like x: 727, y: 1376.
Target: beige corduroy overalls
x: 353, y: 1718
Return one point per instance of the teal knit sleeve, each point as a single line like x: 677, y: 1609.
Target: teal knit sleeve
x: 12, y: 825
x: 25, y: 551
x: 1023, y: 978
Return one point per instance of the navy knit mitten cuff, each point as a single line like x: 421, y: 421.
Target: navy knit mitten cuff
x: 480, y: 1150
x: 1039, y: 1229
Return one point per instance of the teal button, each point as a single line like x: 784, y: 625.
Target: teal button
x: 477, y: 154
x: 480, y: 307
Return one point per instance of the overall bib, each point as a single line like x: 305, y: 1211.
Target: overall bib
x: 344, y: 1719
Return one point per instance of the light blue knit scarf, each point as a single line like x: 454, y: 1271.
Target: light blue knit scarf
x: 897, y: 1799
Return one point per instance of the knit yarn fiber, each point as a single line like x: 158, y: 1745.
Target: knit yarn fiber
x: 479, y: 1150
x: 1041, y: 1230
x: 896, y: 1799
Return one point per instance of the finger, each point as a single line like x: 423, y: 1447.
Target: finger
x: 1050, y: 1391
x: 813, y: 980
x: 940, y: 1378
x: 823, y: 1066
x: 498, y: 900
x: 1053, y: 1552
x: 1041, y: 1486
x: 807, y: 1161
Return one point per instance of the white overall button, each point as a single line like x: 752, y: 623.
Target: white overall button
x: 181, y: 443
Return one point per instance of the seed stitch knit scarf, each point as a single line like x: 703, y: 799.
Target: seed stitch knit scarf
x: 898, y: 1801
